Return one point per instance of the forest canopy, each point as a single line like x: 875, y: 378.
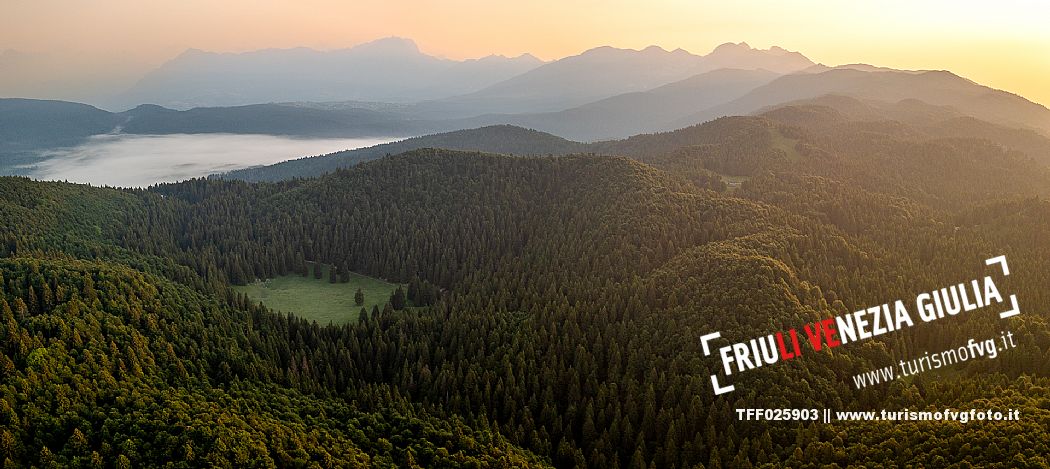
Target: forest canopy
x: 551, y: 308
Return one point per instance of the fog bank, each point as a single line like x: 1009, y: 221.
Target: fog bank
x: 142, y: 160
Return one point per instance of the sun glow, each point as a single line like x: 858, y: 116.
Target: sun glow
x: 1002, y: 44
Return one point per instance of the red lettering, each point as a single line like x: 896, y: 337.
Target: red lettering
x: 784, y: 354
x: 814, y: 335
x: 830, y: 333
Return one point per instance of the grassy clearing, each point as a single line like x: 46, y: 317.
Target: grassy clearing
x: 788, y: 145
x: 317, y: 299
x: 734, y: 182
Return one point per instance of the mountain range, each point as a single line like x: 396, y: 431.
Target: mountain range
x: 395, y: 70
x: 390, y: 69
x: 389, y: 88
x: 604, y: 72
x: 937, y: 87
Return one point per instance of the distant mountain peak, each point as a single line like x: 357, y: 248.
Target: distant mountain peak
x: 527, y: 57
x: 147, y: 110
x: 524, y: 58
x: 732, y: 47
x: 601, y: 50
x: 617, y: 52
x: 192, y: 52
x: 741, y: 55
x: 392, y: 45
x: 151, y: 107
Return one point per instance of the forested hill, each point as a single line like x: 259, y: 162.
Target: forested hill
x: 168, y: 368
x: 30, y: 125
x: 555, y: 306
x: 504, y: 139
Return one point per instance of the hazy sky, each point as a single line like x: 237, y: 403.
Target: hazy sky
x: 68, y: 48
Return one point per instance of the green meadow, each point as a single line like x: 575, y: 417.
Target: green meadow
x: 317, y: 299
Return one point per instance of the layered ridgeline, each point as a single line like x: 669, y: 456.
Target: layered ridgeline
x: 601, y: 94
x: 395, y: 70
x: 386, y: 88
x: 911, y: 119
x: 605, y: 72
x: 566, y: 301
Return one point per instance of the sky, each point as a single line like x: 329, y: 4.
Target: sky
x: 67, y: 49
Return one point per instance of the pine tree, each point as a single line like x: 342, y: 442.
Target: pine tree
x: 397, y: 299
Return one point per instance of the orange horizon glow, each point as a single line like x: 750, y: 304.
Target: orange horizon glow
x: 113, y: 42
